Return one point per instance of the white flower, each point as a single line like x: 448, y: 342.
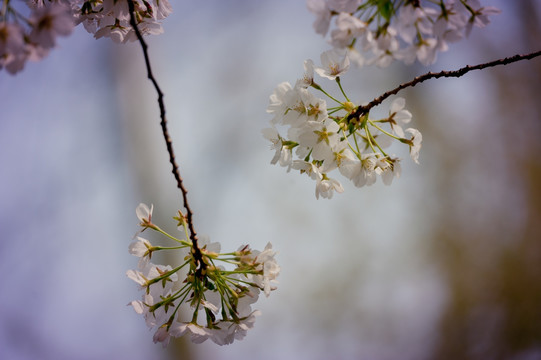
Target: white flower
x: 348, y: 27
x: 198, y: 333
x: 270, y: 267
x: 238, y: 330
x: 478, y: 16
x: 162, y: 9
x: 244, y: 303
x: 162, y: 314
x: 141, y: 248
x: 388, y: 169
x: 398, y: 116
x: 50, y: 21
x: 385, y: 47
x: 278, y: 104
x: 262, y: 261
x: 407, y: 22
x: 355, y: 57
x: 341, y: 156
x: 323, y: 15
x: 321, y: 137
x: 308, y: 77
x: 326, y: 187
x: 283, y: 153
x: 309, y: 168
x: 361, y: 172
x: 144, y: 214
x: 162, y: 335
x: 150, y: 272
x: 333, y: 64
x: 119, y: 9
x: 13, y: 50
x: 117, y: 31
x: 415, y: 143
x: 303, y: 106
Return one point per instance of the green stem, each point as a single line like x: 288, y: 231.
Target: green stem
x: 158, y: 229
x: 156, y: 248
x: 167, y: 274
x: 383, y: 131
x: 375, y: 142
x: 317, y: 87
x: 340, y: 86
x: 358, y: 152
x: 369, y: 138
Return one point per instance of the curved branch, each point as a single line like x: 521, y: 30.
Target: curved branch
x: 175, y: 170
x: 364, y: 109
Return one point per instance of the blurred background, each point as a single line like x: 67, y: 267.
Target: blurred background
x: 443, y: 264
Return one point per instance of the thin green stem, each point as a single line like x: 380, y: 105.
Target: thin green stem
x: 375, y: 142
x: 183, y: 242
x: 340, y: 86
x: 167, y: 274
x: 383, y: 131
x: 317, y: 87
x: 369, y: 138
x: 157, y: 248
x: 357, y: 145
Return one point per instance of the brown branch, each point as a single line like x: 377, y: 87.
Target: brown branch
x: 175, y: 170
x: 364, y: 109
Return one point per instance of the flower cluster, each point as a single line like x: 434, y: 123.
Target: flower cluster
x: 326, y: 139
x: 177, y: 301
x: 29, y: 31
x: 111, y: 18
x: 397, y: 30
x: 30, y: 36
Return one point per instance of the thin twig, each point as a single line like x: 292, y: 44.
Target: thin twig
x: 175, y: 170
x: 364, y: 109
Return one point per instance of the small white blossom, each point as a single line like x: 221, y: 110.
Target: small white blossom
x: 326, y: 187
x: 348, y: 27
x: 398, y: 116
x: 283, y: 153
x: 144, y: 214
x: 388, y: 169
x: 278, y: 104
x: 162, y: 335
x: 415, y: 143
x: 321, y: 137
x: 333, y: 63
x: 50, y: 21
x: 308, y: 168
x: 323, y: 15
x: 308, y: 77
x: 141, y: 248
x: 362, y: 172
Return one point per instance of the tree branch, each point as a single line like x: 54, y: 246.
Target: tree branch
x: 364, y: 109
x: 175, y: 170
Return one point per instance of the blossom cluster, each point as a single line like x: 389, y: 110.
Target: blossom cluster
x: 329, y: 138
x: 397, y: 30
x: 111, y: 18
x: 29, y: 31
x: 30, y: 36
x: 200, y: 297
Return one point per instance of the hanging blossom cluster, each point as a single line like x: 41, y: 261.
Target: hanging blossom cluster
x: 323, y: 139
x: 29, y: 29
x: 209, y: 295
x: 29, y: 33
x: 406, y: 30
x: 319, y: 139
x: 111, y: 18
